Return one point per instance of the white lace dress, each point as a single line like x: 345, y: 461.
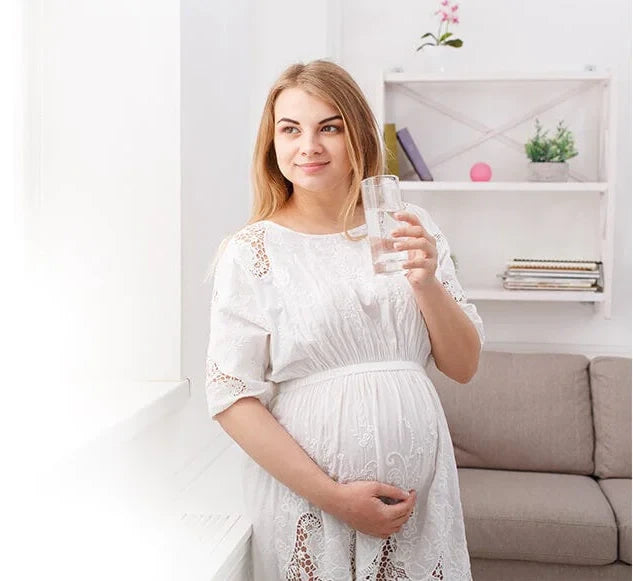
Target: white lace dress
x: 337, y: 354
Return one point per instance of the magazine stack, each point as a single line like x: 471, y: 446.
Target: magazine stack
x: 558, y: 275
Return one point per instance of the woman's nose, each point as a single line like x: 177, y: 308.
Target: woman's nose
x: 310, y: 143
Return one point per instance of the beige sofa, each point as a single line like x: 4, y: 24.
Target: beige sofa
x: 543, y: 449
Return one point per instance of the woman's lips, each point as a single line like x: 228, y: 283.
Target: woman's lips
x: 313, y: 167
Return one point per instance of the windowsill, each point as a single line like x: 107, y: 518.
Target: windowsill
x: 107, y: 413
x: 212, y: 546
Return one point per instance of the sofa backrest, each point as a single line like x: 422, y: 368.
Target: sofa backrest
x: 611, y: 395
x: 521, y: 411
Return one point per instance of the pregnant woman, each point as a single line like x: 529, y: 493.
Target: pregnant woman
x: 316, y: 366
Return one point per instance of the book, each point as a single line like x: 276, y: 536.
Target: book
x: 391, y: 149
x: 530, y: 263
x: 413, y: 154
x: 550, y: 273
x: 549, y: 281
x: 542, y: 286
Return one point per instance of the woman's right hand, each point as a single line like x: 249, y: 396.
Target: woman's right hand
x: 358, y: 504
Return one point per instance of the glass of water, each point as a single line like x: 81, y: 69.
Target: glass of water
x: 381, y: 200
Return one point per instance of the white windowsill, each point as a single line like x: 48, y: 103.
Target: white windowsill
x: 106, y: 413
x: 212, y: 547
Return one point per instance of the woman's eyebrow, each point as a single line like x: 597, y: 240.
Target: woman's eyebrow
x: 320, y: 122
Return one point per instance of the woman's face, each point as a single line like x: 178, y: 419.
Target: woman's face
x: 310, y: 143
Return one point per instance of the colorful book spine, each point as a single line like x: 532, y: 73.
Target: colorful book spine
x: 413, y: 154
x: 528, y: 263
x: 391, y: 150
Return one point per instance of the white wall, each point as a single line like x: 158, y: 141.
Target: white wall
x: 106, y: 208
x: 514, y: 35
x: 101, y: 201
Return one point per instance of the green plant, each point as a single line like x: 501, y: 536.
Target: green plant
x: 448, y: 14
x: 558, y: 149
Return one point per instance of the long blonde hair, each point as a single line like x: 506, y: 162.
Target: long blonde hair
x: 333, y: 84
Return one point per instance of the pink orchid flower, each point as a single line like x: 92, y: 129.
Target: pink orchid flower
x: 448, y: 14
x: 445, y: 15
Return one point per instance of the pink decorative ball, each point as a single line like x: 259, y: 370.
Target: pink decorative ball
x: 480, y: 172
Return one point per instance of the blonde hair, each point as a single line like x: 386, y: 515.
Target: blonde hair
x: 334, y: 85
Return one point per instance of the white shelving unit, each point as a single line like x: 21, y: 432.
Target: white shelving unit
x: 411, y: 85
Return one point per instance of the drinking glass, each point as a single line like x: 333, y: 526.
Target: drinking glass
x: 381, y: 200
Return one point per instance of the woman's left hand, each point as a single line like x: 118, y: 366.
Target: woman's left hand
x: 422, y: 249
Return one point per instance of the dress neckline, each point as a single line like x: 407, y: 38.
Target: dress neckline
x: 357, y: 229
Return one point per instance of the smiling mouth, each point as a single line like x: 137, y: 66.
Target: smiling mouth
x: 308, y: 165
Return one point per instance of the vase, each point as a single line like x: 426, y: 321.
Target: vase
x: 548, y: 171
x: 437, y: 59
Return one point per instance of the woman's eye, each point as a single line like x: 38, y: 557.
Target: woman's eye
x: 326, y: 128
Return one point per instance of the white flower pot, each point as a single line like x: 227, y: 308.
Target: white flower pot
x: 431, y: 59
x: 548, y: 171
x: 438, y: 59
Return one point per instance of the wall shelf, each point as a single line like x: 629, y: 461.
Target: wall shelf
x: 501, y: 294
x: 415, y: 77
x: 410, y: 94
x: 420, y: 186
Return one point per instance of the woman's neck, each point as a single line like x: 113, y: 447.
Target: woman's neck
x: 314, y: 218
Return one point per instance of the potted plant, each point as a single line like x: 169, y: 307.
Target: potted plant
x: 548, y: 156
x: 436, y: 46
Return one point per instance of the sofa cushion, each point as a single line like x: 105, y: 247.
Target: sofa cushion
x: 532, y: 516
x: 508, y: 570
x: 618, y: 493
x: 611, y: 393
x: 521, y: 411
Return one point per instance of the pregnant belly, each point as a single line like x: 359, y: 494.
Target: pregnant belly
x: 366, y: 426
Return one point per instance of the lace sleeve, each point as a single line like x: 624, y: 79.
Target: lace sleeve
x: 239, y: 338
x: 445, y: 272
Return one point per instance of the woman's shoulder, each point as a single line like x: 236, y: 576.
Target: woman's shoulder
x: 246, y: 247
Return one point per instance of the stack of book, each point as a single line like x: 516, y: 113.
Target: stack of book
x: 540, y: 274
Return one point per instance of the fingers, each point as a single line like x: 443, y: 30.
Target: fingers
x: 403, y: 508
x: 400, y: 513
x: 407, y: 217
x: 396, y: 515
x: 413, y: 228
x: 402, y: 519
x: 391, y: 491
x: 407, y: 507
x: 416, y: 243
x: 399, y: 523
x: 417, y: 231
